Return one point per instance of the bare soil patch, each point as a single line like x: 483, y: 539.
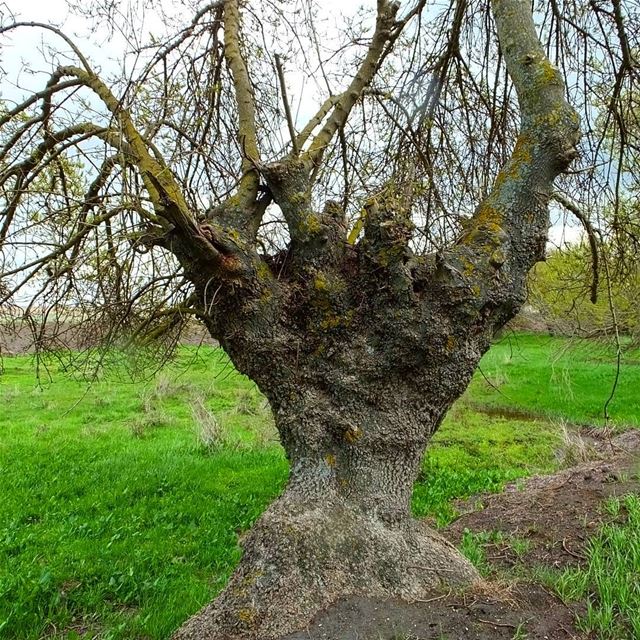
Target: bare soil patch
x: 18, y: 338
x: 554, y: 515
x: 472, y: 616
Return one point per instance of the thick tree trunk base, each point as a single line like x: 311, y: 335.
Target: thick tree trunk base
x: 298, y: 559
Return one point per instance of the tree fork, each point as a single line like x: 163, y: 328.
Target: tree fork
x: 355, y: 425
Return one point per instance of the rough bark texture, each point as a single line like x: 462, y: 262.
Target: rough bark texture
x: 300, y: 558
x: 361, y: 349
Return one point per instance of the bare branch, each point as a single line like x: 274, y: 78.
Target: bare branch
x: 317, y: 119
x: 287, y: 107
x: 48, y: 27
x: 247, y: 136
x: 384, y: 35
x: 591, y: 235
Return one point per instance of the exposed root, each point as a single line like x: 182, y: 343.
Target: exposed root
x: 298, y: 560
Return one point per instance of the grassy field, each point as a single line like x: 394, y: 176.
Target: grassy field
x: 120, y: 503
x: 558, y: 379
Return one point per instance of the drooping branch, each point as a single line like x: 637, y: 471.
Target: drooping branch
x: 627, y: 59
x: 591, y: 235
x: 47, y: 27
x: 441, y: 67
x: 133, y: 152
x: 55, y: 143
x: 32, y: 268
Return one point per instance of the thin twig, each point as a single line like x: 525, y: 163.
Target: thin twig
x: 498, y: 624
x: 442, y: 597
x: 287, y: 107
x: 572, y: 553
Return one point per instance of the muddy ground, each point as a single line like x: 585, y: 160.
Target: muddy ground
x: 551, y: 516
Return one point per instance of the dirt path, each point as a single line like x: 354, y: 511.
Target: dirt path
x: 550, y: 518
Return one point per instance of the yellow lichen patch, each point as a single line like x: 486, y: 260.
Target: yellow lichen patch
x: 353, y: 433
x: 487, y: 214
x: 452, y: 343
x: 498, y: 257
x: 311, y: 223
x: 468, y: 267
x: 549, y: 73
x: 266, y: 297
x: 520, y: 156
x: 330, y: 459
x: 320, y: 282
x: 262, y: 270
x: 357, y: 227
x: 522, y: 150
x: 246, y: 615
x: 328, y: 283
x: 333, y: 320
x: 299, y: 198
x: 551, y: 119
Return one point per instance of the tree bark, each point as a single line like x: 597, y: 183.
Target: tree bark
x: 361, y: 350
x: 343, y: 524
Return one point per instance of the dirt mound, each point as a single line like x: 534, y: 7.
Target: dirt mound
x: 554, y: 514
x: 454, y: 617
x: 551, y: 517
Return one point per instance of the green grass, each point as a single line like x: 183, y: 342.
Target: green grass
x: 556, y: 378
x: 610, y: 582
x: 475, y: 453
x: 120, y: 506
x: 113, y: 516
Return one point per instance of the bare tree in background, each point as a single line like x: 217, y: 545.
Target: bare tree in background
x: 355, y: 266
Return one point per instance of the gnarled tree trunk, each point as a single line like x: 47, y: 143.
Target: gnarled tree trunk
x: 343, y: 525
x: 362, y: 348
x: 354, y: 430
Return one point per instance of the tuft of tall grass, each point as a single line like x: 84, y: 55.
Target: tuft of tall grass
x: 209, y: 433
x: 610, y: 582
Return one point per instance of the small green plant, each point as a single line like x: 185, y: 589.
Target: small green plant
x: 613, y: 506
x: 520, y: 546
x: 609, y: 580
x: 472, y: 546
x: 520, y: 633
